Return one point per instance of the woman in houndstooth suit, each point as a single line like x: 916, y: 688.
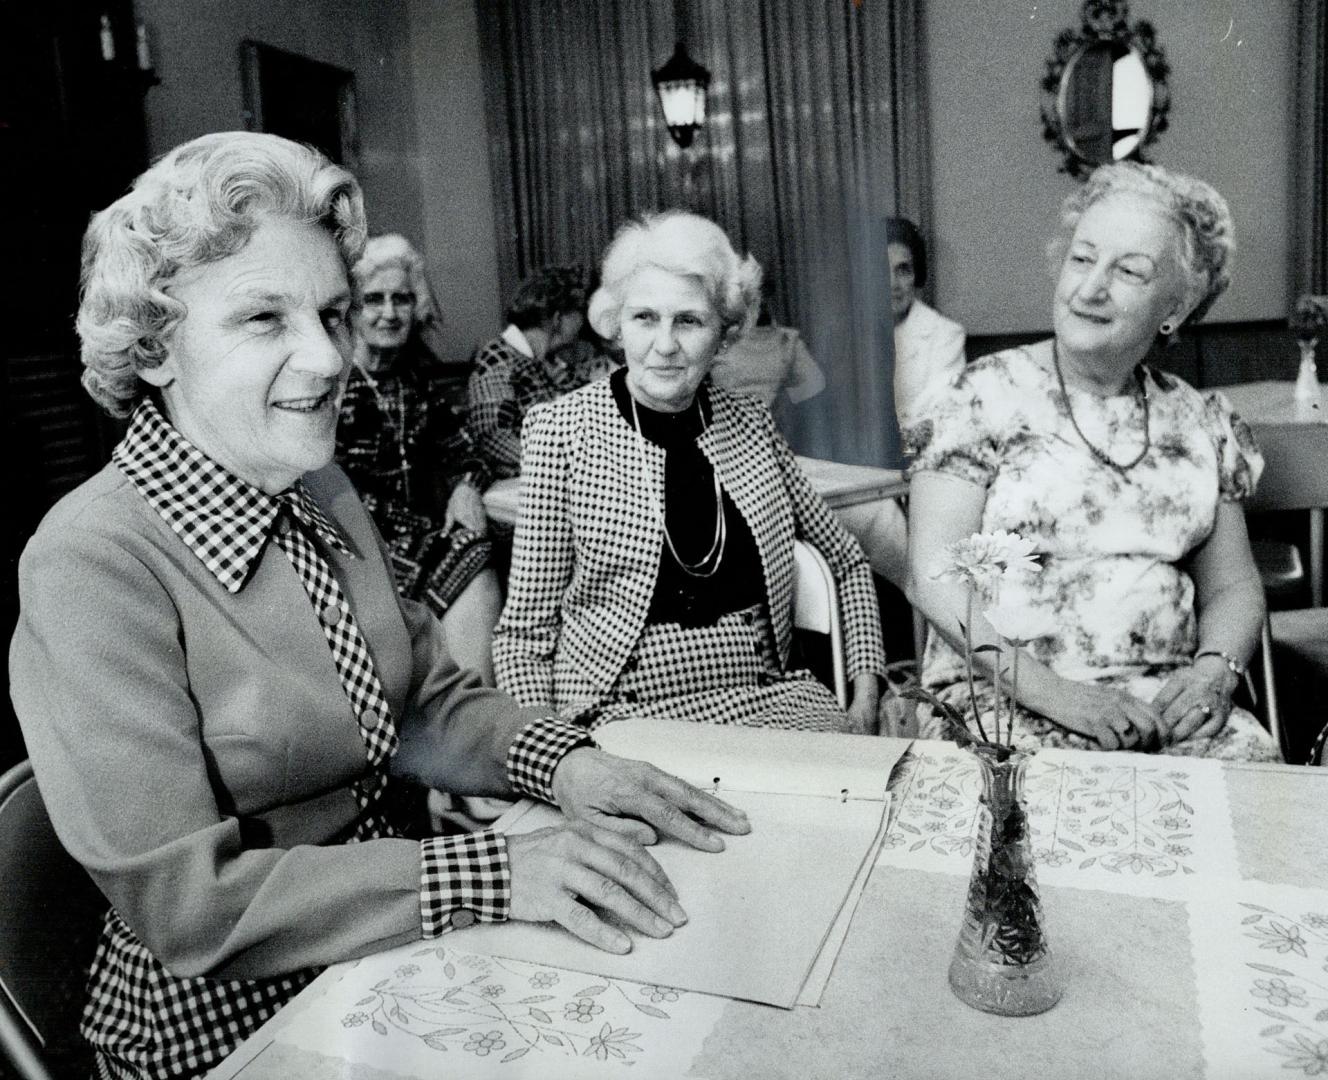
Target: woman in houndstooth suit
x: 652, y: 571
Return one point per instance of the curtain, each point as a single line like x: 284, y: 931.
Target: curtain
x: 1310, y: 193
x: 815, y: 132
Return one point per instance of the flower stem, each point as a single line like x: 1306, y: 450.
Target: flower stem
x: 1014, y: 693
x: 968, y: 654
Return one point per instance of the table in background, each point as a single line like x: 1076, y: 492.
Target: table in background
x: 1295, y: 449
x: 1164, y: 907
x: 839, y: 485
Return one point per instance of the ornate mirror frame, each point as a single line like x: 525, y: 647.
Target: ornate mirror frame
x: 1104, y: 22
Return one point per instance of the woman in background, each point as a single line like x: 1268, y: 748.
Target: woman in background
x: 409, y: 456
x: 515, y: 371
x: 929, y: 348
x: 1128, y: 482
x: 652, y: 572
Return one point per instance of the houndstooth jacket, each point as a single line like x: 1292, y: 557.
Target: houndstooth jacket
x: 587, y: 547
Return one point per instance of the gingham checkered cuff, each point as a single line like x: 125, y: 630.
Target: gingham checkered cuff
x: 463, y: 879
x: 536, y: 752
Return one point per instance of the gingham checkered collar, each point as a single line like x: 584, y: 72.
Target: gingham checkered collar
x: 224, y: 520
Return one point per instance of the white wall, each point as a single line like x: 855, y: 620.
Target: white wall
x: 456, y: 187
x: 997, y: 189
x: 196, y: 52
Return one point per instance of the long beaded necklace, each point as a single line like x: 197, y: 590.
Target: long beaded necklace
x: 709, y: 562
x: 397, y: 424
x: 1141, y: 395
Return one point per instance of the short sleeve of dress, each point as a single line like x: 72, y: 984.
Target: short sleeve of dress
x: 1239, y: 463
x: 955, y: 435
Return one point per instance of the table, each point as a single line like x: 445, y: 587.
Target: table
x: 1295, y: 448
x: 838, y: 484
x: 1186, y: 902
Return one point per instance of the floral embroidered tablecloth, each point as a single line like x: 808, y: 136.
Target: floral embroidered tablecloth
x: 1187, y: 902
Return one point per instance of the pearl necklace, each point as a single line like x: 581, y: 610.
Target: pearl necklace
x: 709, y: 562
x: 1141, y: 395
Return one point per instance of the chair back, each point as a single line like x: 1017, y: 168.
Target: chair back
x: 50, y: 919
x: 816, y: 607
x: 1293, y: 474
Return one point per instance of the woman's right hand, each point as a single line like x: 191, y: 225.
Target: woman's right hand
x: 561, y: 874
x: 1114, y: 719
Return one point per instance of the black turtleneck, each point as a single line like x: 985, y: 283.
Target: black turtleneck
x: 689, y: 512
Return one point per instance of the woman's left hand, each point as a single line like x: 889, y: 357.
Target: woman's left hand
x: 1195, y: 702
x: 466, y: 507
x: 861, y: 717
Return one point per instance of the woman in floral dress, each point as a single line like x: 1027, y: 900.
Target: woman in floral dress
x: 1128, y: 481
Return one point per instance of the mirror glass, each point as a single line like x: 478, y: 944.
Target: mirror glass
x: 1104, y: 94
x: 1105, y: 101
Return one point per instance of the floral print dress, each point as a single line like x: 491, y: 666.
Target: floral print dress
x: 1112, y: 542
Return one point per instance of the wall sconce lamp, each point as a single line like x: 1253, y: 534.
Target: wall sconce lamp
x: 681, y: 84
x: 142, y: 63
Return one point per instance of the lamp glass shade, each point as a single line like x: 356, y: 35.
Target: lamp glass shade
x: 681, y: 84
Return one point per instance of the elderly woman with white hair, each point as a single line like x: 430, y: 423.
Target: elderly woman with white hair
x: 1127, y: 481
x: 220, y: 688
x: 408, y: 453
x: 652, y: 569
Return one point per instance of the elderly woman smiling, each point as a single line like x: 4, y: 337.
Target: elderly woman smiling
x: 1128, y: 482
x: 652, y: 571
x: 222, y: 692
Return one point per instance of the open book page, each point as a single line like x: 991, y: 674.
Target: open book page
x: 758, y: 912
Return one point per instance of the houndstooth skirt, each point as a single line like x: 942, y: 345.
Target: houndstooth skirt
x: 728, y: 673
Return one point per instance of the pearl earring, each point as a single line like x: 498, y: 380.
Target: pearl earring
x: 1167, y: 328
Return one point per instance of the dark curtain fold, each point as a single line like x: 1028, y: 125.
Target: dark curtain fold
x: 815, y: 131
x: 1310, y: 194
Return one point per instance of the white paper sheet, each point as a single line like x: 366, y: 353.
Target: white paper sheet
x: 430, y: 1011
x: 1261, y: 964
x: 759, y: 912
x: 1137, y: 823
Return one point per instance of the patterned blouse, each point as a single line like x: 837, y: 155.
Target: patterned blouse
x: 403, y: 446
x: 503, y: 387
x: 1112, y: 542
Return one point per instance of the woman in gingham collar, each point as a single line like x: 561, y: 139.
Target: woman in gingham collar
x: 220, y: 689
x: 652, y: 571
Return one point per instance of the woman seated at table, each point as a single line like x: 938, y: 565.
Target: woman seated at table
x: 516, y: 370
x: 652, y: 571
x: 1127, y: 480
x: 220, y: 688
x: 408, y: 454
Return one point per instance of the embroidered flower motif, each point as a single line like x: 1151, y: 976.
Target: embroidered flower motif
x: 656, y: 994
x: 542, y: 980
x: 944, y: 802
x: 482, y: 1044
x: 1279, y: 937
x: 984, y: 558
x: 405, y: 971
x: 1179, y: 851
x: 493, y: 991
x: 611, y: 1042
x: 1051, y: 856
x: 934, y: 826
x: 1309, y: 1057
x: 1100, y: 839
x: 1277, y: 993
x: 475, y: 963
x: 582, y: 1010
x: 354, y: 1019
x: 1171, y: 823
x: 1315, y: 921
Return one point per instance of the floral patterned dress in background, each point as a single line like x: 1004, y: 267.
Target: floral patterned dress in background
x: 1112, y: 541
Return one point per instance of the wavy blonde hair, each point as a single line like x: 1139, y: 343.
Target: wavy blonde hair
x: 197, y: 205
x: 682, y: 243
